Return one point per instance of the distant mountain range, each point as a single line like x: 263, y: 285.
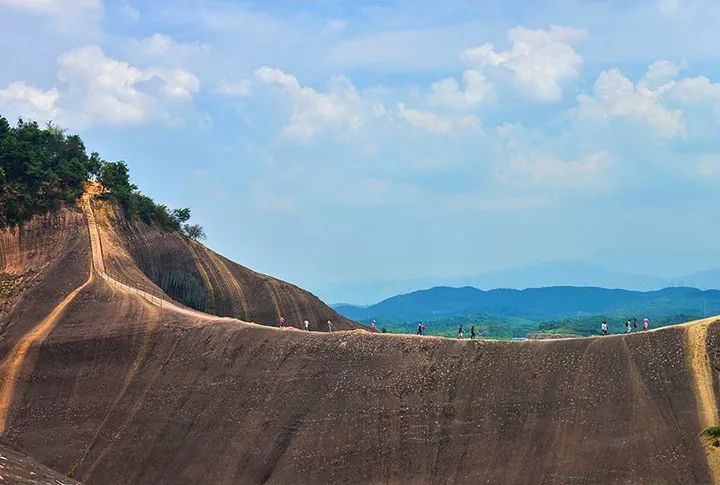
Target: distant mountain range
x: 538, y: 303
x: 552, y: 273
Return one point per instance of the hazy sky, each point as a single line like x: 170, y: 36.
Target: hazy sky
x: 342, y: 142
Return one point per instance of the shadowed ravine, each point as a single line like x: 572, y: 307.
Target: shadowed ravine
x: 101, y: 383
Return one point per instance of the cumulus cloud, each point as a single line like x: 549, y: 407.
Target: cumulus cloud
x: 436, y: 123
x: 538, y: 62
x: 695, y: 89
x: 114, y: 91
x: 548, y: 171
x: 616, y: 96
x: 340, y: 108
x: 475, y: 90
x: 659, y: 74
x: 20, y: 100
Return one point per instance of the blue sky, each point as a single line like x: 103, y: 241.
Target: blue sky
x: 342, y: 143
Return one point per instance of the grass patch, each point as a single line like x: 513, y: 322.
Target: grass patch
x: 712, y: 432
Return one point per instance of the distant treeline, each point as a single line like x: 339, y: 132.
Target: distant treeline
x: 42, y: 168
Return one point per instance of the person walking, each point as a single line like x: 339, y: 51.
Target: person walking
x: 281, y: 321
x: 307, y: 325
x: 604, y: 327
x: 472, y: 332
x: 373, y: 327
x: 646, y: 323
x: 330, y: 326
x: 423, y: 328
x: 635, y: 323
x: 461, y: 331
x: 628, y: 329
x: 420, y: 328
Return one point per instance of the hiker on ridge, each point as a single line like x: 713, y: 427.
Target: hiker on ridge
x: 330, y: 326
x: 307, y: 325
x: 635, y: 323
x: 646, y: 323
x: 420, y: 328
x: 373, y: 327
x: 627, y: 326
x: 461, y: 331
x: 281, y: 321
x: 472, y: 332
x: 604, y: 328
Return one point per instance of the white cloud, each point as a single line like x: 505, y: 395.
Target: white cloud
x: 236, y: 89
x: 695, y: 89
x: 161, y: 48
x: 19, y: 100
x: 67, y: 15
x: 538, y: 62
x: 339, y: 108
x: 615, y: 96
x: 52, y: 7
x: 659, y: 74
x: 114, y: 91
x: 435, y: 123
x: 475, y: 91
x: 548, y: 171
x: 177, y: 83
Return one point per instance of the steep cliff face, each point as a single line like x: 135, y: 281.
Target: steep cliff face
x: 202, y: 279
x: 40, y: 262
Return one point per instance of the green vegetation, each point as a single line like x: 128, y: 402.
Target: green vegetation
x: 711, y: 432
x: 500, y: 327
x: 42, y: 168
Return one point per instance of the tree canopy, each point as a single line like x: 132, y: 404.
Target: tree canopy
x: 42, y: 168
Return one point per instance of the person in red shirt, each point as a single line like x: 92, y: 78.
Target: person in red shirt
x: 281, y: 321
x: 373, y: 327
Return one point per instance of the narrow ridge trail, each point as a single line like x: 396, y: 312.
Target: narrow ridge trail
x: 99, y: 267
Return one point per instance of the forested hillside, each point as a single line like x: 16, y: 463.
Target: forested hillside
x: 43, y: 168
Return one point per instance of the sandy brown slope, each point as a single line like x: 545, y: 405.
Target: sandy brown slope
x: 121, y: 391
x: 202, y: 279
x: 17, y: 468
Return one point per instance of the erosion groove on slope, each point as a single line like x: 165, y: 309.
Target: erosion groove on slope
x: 703, y: 386
x: 13, y: 363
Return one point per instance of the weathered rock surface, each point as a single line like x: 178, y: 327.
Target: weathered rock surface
x: 122, y: 391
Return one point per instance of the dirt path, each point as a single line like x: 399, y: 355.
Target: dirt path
x: 99, y: 267
x: 703, y: 386
x: 14, y: 361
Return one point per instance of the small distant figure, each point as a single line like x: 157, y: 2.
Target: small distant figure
x: 461, y: 331
x: 604, y: 327
x: 635, y: 324
x: 420, y: 328
x: 472, y: 332
x: 628, y: 328
x: 307, y: 325
x: 373, y: 327
x: 423, y: 328
x: 646, y: 323
x: 281, y: 321
x: 330, y: 326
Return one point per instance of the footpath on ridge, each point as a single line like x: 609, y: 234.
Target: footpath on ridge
x: 99, y: 268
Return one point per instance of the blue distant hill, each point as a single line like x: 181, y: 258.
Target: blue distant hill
x: 538, y: 303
